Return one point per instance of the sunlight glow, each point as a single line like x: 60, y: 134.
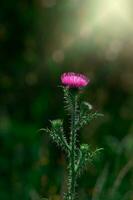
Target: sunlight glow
x: 113, y: 13
x: 108, y: 17
x: 106, y: 24
x: 114, y: 9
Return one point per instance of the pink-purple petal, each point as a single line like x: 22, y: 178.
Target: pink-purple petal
x: 75, y: 80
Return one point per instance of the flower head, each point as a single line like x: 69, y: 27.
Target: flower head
x: 74, y: 80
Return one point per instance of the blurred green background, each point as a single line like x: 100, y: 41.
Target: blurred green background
x: 39, y: 40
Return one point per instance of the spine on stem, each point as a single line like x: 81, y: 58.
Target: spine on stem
x: 72, y: 174
x: 81, y: 114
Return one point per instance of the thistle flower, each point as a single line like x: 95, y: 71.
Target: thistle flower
x: 74, y: 80
x: 80, y: 114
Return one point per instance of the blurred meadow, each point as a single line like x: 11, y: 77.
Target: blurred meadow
x: 39, y: 40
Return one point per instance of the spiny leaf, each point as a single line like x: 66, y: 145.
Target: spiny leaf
x: 86, y: 115
x: 85, y: 156
x: 57, y: 134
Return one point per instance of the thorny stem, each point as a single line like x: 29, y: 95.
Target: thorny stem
x: 77, y: 156
x: 72, y: 174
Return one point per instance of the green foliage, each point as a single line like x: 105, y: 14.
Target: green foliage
x: 31, y: 33
x: 112, y: 189
x: 78, y: 158
x: 86, y: 155
x: 57, y: 134
x: 86, y: 115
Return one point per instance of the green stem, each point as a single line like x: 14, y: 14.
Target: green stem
x: 72, y: 175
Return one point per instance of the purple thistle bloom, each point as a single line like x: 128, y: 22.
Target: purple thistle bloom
x: 74, y: 80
